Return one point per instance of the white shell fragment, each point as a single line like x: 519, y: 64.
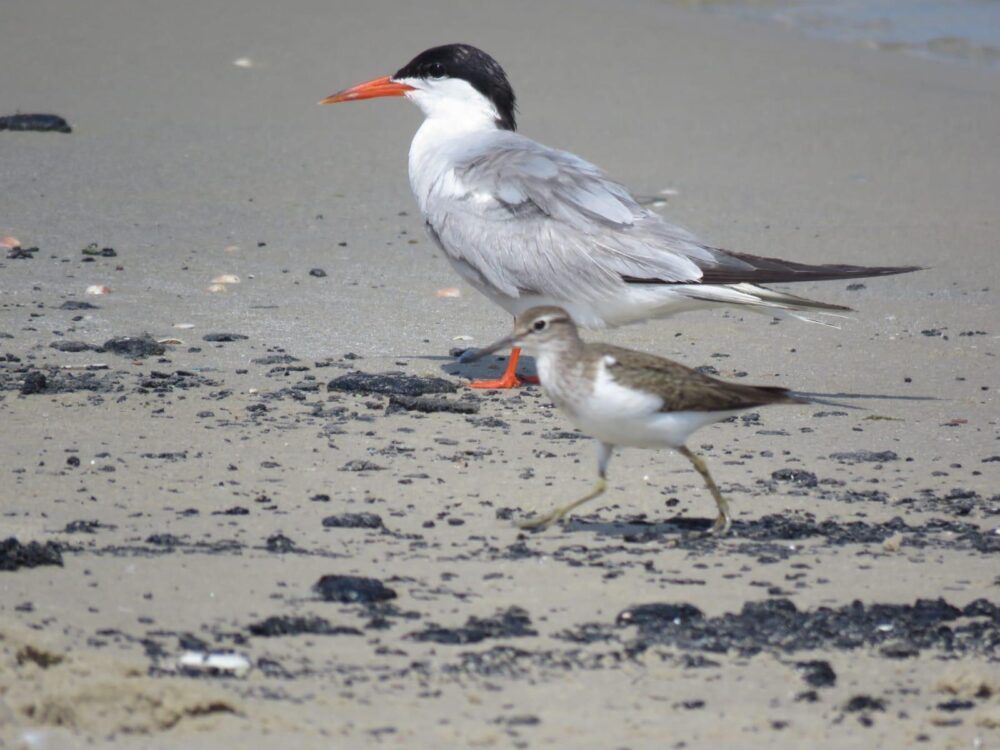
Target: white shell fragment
x: 220, y: 282
x: 214, y: 663
x: 449, y: 292
x: 243, y: 62
x: 98, y: 289
x: 893, y: 543
x: 184, y: 326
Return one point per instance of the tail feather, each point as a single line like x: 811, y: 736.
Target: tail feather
x: 789, y: 301
x: 813, y: 398
x: 805, y: 318
x: 763, y: 300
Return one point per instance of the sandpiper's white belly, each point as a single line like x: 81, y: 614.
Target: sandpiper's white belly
x: 620, y: 415
x: 666, y: 430
x: 658, y: 430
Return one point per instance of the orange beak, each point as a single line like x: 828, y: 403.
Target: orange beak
x: 384, y: 86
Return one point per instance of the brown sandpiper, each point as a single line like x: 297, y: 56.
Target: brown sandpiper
x: 627, y: 398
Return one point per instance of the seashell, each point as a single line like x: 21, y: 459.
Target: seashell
x: 217, y: 663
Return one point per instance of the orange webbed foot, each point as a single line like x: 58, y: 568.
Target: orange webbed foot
x: 509, y: 379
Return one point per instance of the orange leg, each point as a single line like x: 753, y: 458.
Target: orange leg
x: 509, y: 379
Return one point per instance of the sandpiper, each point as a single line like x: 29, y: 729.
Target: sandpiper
x: 529, y: 225
x: 623, y: 397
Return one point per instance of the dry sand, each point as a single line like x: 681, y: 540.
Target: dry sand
x: 203, y: 479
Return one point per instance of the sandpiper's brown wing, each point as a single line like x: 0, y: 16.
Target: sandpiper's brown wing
x: 684, y: 389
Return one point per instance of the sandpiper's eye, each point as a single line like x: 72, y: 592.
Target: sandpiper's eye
x: 435, y: 70
x: 539, y: 325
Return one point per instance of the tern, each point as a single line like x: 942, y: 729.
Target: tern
x: 529, y: 225
x: 623, y: 397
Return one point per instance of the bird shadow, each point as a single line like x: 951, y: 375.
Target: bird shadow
x: 678, y: 528
x: 484, y: 369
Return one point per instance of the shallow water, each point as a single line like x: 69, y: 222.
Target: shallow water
x: 967, y: 31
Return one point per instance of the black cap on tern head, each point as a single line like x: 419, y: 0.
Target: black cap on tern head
x: 470, y: 64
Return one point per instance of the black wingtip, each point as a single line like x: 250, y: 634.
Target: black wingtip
x: 759, y: 270
x: 762, y: 270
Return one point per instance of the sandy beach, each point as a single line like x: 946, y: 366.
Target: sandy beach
x: 242, y: 490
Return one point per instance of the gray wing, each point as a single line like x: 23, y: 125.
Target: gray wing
x: 535, y: 220
x: 531, y: 219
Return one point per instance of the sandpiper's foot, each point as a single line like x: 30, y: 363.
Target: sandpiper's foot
x: 717, y: 530
x: 540, y: 523
x: 723, y: 521
x: 721, y: 526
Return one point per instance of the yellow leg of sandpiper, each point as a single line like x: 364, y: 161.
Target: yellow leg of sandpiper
x: 724, y: 520
x: 539, y: 523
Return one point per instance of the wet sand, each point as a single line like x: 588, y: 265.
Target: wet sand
x: 181, y: 500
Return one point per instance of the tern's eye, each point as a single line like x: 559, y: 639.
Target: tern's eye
x: 435, y: 70
x: 539, y: 325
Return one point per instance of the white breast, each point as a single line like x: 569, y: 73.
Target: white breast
x: 619, y: 415
x: 438, y: 145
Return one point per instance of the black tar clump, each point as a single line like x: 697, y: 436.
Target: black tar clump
x: 354, y: 521
x: 352, y: 589
x: 285, y: 625
x: 390, y: 384
x: 510, y: 623
x: 429, y: 405
x: 776, y: 624
x: 134, y: 346
x: 14, y: 554
x: 34, y: 382
x: 817, y: 673
x: 38, y: 123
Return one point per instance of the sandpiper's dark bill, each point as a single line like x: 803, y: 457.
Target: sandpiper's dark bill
x: 472, y: 355
x: 528, y: 225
